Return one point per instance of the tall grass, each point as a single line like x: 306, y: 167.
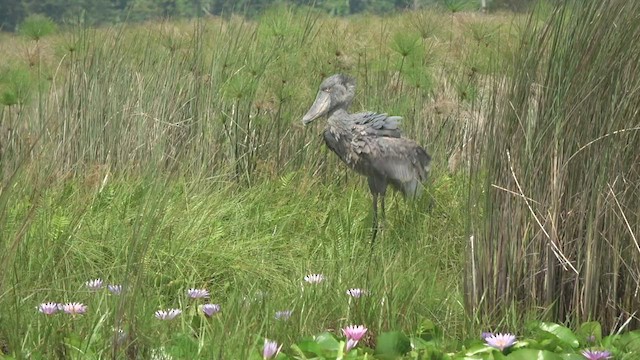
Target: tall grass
x: 561, y: 168
x: 250, y: 249
x: 218, y: 95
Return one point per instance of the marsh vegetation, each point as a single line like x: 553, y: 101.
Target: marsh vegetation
x: 167, y: 156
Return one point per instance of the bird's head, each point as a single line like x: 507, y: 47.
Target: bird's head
x: 336, y: 92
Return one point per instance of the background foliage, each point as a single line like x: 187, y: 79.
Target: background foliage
x: 12, y: 12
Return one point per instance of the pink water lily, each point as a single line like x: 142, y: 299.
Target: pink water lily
x: 74, y: 308
x: 596, y: 355
x: 270, y: 349
x: 355, y: 332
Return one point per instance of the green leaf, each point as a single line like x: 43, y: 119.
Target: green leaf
x: 591, y: 328
x: 611, y: 341
x: 307, y: 347
x: 479, y: 349
x: 630, y: 342
x: 327, y: 342
x: 572, y: 357
x: 429, y: 330
x: 492, y: 355
x: 420, y: 344
x: 563, y: 333
x: 392, y: 344
x: 531, y: 354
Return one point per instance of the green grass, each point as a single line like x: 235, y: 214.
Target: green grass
x: 167, y: 156
x: 158, y: 238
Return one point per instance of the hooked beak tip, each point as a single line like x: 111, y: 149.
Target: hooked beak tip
x: 318, y: 109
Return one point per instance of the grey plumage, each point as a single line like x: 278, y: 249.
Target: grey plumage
x: 369, y: 143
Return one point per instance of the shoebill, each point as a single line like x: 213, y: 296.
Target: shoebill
x: 369, y: 143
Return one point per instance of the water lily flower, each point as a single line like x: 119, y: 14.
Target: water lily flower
x: 270, y: 349
x: 49, y: 308
x: 210, y: 309
x: 354, y: 332
x: 115, y: 289
x: 356, y: 293
x: 283, y: 315
x: 160, y: 354
x: 501, y: 341
x: 314, y: 278
x: 198, y: 293
x: 74, y: 308
x: 485, y: 335
x: 351, y: 344
x: 94, y: 285
x: 596, y: 354
x: 168, y: 314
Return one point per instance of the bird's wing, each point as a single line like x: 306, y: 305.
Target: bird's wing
x: 403, y: 162
x: 374, y: 124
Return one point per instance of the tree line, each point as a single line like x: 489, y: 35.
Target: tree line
x: 98, y: 12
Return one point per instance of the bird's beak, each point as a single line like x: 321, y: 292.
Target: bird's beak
x: 320, y: 107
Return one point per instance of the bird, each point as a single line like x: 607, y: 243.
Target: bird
x: 370, y: 143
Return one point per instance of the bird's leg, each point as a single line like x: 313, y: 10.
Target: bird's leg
x: 378, y: 186
x: 382, y: 206
x: 380, y: 224
x: 375, y: 218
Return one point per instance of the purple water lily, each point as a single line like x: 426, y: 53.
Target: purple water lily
x: 198, y: 293
x: 596, y: 354
x: 49, y: 308
x: 74, y: 308
x: 357, y: 293
x: 501, y: 341
x: 283, y: 315
x: 210, y: 309
x: 94, y: 285
x: 115, y: 289
x: 270, y: 349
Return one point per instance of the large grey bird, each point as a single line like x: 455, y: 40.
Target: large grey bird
x: 369, y: 143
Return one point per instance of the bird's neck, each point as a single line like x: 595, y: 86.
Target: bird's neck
x: 338, y: 116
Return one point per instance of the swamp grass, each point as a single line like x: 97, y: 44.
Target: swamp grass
x: 251, y: 250
x: 170, y: 155
x: 563, y: 168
